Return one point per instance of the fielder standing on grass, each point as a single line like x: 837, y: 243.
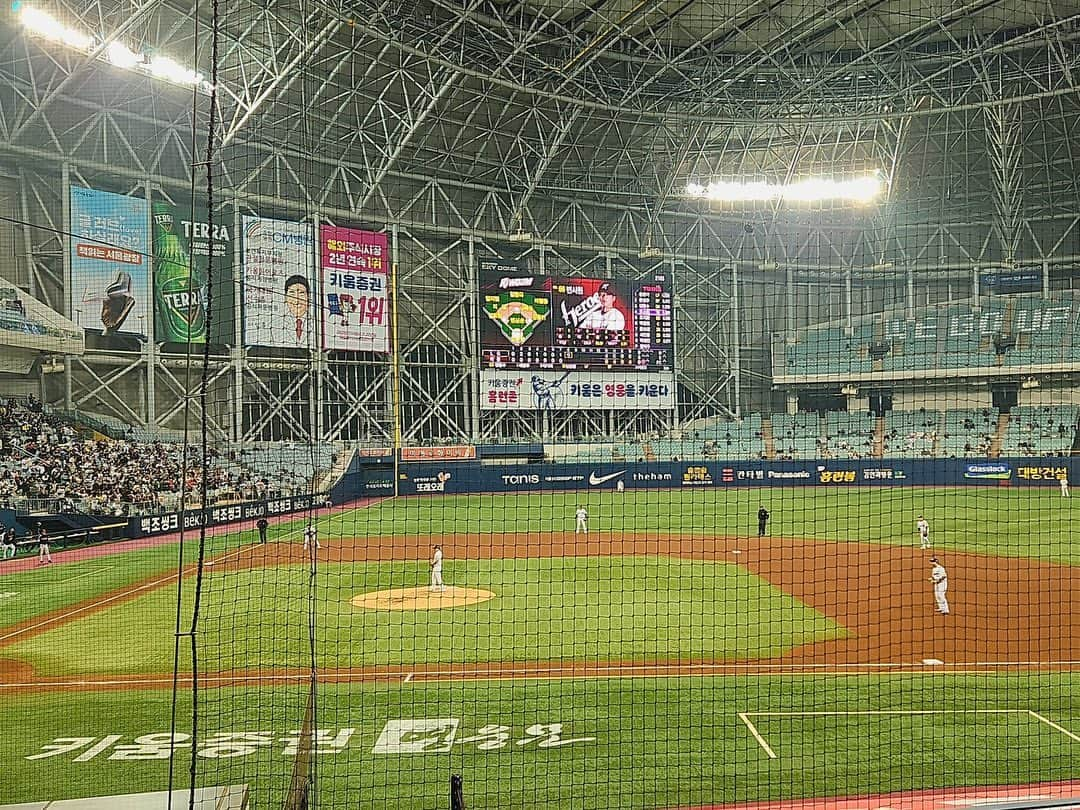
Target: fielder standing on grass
x: 941, y: 584
x: 924, y: 532
x: 582, y: 516
x: 1063, y: 482
x: 762, y: 519
x: 436, y: 570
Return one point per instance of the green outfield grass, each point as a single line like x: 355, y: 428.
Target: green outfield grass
x: 656, y: 743
x: 660, y: 742
x: 40, y: 590
x: 1035, y: 523
x: 545, y: 609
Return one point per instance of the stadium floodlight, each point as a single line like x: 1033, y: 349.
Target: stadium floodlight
x: 44, y: 25
x: 41, y: 24
x: 864, y: 189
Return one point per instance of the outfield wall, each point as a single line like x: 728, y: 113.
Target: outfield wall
x: 368, y: 480
x: 169, y: 522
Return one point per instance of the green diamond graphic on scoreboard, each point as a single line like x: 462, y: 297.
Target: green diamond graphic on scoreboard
x: 517, y: 313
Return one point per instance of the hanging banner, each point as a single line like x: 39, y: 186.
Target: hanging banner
x: 278, y: 284
x: 567, y: 390
x: 460, y: 452
x: 183, y: 239
x: 110, y: 280
x: 355, y: 288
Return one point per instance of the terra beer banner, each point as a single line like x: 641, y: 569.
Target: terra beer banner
x: 355, y: 266
x: 278, y: 284
x: 182, y: 243
x: 110, y: 282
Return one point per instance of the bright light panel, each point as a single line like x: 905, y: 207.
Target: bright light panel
x: 812, y: 189
x: 42, y: 24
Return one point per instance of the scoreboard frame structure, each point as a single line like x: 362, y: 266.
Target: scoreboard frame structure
x: 573, y: 312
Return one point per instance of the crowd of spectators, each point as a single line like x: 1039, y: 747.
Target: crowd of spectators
x: 41, y: 456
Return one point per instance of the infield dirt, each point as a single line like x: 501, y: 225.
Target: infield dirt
x: 1005, y: 611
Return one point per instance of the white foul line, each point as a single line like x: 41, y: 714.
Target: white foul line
x: 888, y: 711
x: 86, y: 574
x: 1052, y: 724
x: 153, y: 584
x: 757, y: 736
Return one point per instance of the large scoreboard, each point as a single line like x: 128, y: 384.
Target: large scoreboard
x: 574, y: 342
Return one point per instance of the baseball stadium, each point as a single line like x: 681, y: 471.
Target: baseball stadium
x: 599, y: 405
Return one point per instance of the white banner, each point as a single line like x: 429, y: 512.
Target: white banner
x: 279, y: 283
x: 575, y: 390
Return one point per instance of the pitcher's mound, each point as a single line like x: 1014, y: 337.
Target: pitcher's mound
x: 420, y: 598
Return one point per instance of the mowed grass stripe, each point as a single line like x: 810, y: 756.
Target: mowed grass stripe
x: 545, y: 609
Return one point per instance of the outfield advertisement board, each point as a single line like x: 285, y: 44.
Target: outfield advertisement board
x: 469, y: 476
x: 169, y: 522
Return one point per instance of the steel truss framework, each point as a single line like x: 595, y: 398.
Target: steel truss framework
x: 578, y: 130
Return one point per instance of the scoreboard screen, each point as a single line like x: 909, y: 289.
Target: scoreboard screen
x: 534, y: 322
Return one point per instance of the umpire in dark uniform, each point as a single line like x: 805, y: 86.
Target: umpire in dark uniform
x: 762, y: 519
x: 261, y: 525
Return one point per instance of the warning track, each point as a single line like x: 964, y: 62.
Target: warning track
x: 1008, y: 613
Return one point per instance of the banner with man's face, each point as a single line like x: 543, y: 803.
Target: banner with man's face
x: 279, y: 293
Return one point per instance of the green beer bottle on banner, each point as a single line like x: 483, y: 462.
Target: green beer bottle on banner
x: 177, y: 293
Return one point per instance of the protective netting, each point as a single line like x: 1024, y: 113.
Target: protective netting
x: 517, y: 406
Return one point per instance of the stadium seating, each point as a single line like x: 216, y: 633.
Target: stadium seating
x: 1045, y: 330
x: 45, y: 459
x: 966, y: 432
x: 1044, y: 430
x: 911, y: 434
x: 847, y: 435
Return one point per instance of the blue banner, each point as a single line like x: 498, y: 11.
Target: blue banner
x: 110, y: 266
x: 470, y: 477
x: 218, y: 515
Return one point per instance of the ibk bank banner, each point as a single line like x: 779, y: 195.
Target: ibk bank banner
x: 170, y: 522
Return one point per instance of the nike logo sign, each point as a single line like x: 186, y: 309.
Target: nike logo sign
x: 595, y: 480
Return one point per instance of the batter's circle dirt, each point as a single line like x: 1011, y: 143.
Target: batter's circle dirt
x: 420, y: 598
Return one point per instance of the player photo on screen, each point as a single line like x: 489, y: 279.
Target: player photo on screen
x: 593, y: 311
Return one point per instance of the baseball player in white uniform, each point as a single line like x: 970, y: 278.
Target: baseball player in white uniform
x: 582, y: 515
x: 941, y: 584
x: 436, y: 570
x: 1063, y: 482
x: 924, y: 532
x: 311, y: 537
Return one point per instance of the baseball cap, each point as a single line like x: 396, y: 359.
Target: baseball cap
x: 933, y: 559
x: 606, y: 288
